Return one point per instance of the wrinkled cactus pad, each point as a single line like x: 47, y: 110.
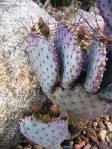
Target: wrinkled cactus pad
x: 69, y: 53
x: 80, y: 103
x: 47, y: 135
x: 106, y: 92
x: 44, y: 61
x: 96, y: 66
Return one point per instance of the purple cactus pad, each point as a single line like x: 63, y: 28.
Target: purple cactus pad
x: 47, y: 135
x: 96, y: 67
x: 81, y: 104
x: 44, y: 61
x: 105, y: 8
x: 69, y: 53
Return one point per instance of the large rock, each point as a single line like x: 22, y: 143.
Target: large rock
x: 17, y: 84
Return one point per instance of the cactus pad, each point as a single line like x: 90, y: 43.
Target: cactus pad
x: 47, y: 135
x: 70, y: 55
x: 96, y: 66
x: 44, y: 61
x: 106, y: 92
x: 105, y: 8
x: 80, y: 103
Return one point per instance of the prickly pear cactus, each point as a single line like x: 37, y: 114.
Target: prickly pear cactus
x: 48, y: 135
x: 105, y: 8
x: 70, y: 55
x: 80, y: 103
x: 44, y: 60
x: 106, y: 92
x: 96, y: 66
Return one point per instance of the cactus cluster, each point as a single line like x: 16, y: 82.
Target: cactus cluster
x: 58, y: 61
x: 66, y: 58
x: 61, y: 62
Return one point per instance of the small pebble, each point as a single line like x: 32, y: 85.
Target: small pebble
x: 78, y: 140
x: 80, y: 145
x: 107, y: 139
x: 77, y: 146
x: 71, y: 143
x: 95, y: 124
x: 84, y: 132
x: 102, y: 135
x: 106, y: 118
x: 86, y: 140
x: 109, y: 125
x: 90, y: 124
x: 97, y: 119
x: 88, y: 146
x: 94, y: 138
x: 110, y: 136
x: 103, y: 146
x: 101, y: 125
